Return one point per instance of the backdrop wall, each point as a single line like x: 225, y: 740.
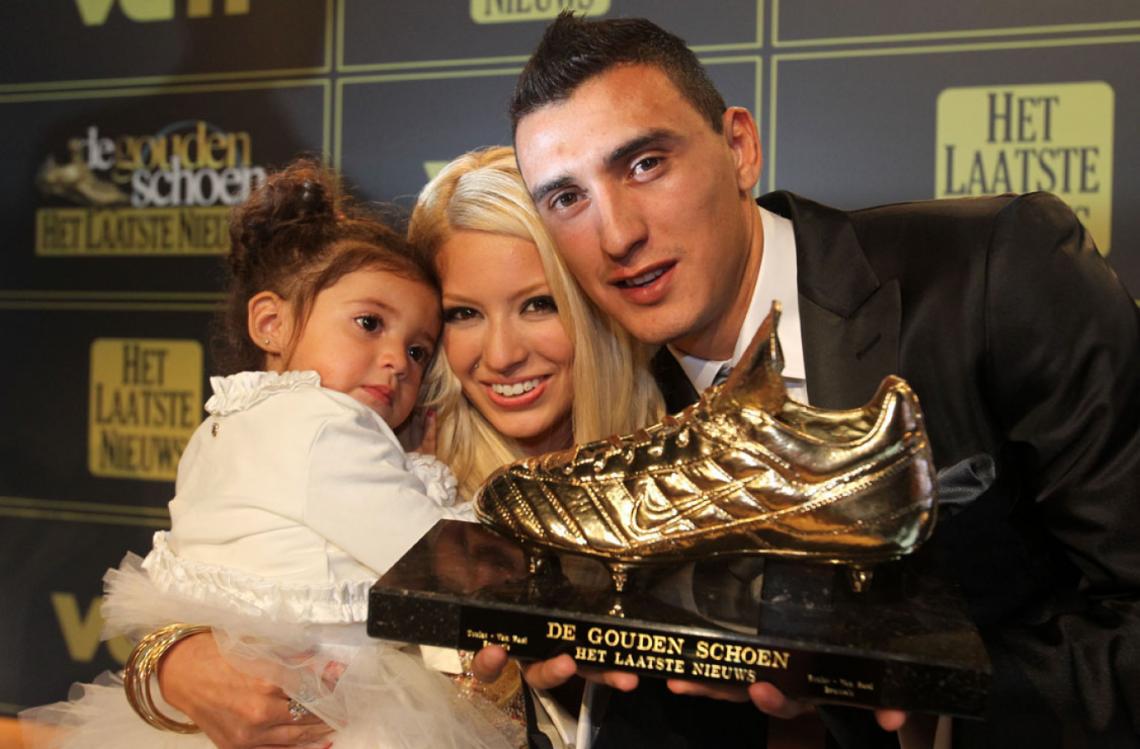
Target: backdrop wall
x: 129, y: 127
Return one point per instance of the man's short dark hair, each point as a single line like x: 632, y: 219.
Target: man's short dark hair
x: 574, y: 50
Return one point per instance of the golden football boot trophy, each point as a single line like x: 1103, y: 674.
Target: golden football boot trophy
x: 744, y: 471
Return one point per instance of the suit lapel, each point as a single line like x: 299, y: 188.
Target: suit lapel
x: 847, y: 358
x: 675, y: 387
x: 849, y: 319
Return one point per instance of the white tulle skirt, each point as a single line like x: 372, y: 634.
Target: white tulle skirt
x: 308, y: 640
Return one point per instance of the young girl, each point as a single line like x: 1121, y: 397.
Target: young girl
x: 294, y: 495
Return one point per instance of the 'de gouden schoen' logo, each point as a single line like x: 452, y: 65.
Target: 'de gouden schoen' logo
x: 515, y: 11
x: 1052, y: 137
x: 163, y: 194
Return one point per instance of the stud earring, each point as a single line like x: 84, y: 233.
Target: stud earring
x: 266, y: 341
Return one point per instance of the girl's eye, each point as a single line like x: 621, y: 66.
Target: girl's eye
x: 419, y: 354
x: 369, y: 323
x: 544, y: 303
x: 458, y: 314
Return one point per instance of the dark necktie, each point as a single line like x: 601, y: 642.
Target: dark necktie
x: 722, y: 374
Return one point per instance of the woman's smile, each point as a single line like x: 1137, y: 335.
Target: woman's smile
x: 504, y: 339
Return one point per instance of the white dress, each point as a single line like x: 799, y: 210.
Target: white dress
x: 291, y: 499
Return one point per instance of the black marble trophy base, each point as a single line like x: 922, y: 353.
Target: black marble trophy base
x: 905, y: 643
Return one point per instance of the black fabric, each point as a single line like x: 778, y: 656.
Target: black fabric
x: 854, y: 728
x: 1022, y: 345
x: 675, y: 387
x: 535, y: 739
x: 653, y: 717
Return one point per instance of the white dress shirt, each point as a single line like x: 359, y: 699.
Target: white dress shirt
x: 776, y: 281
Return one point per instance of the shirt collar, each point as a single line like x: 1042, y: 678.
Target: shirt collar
x: 777, y: 280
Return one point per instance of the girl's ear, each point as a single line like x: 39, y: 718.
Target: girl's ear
x: 269, y: 324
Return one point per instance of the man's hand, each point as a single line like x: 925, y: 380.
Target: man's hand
x: 490, y: 661
x: 768, y: 699
x: 234, y: 710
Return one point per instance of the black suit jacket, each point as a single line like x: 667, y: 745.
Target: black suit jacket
x: 1022, y: 346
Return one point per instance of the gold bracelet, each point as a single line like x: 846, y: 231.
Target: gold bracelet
x: 143, y: 664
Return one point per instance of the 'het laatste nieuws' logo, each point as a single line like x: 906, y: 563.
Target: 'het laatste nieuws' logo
x: 517, y: 11
x: 145, y: 400
x: 1055, y: 137
x: 163, y: 194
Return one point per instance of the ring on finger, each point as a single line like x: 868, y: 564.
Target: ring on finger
x: 297, y: 710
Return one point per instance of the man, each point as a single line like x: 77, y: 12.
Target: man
x: 1021, y: 343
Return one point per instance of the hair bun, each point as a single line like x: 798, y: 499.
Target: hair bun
x: 292, y: 212
x: 312, y: 199
x: 303, y: 194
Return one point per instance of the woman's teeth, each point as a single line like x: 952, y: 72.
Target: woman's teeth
x: 516, y: 389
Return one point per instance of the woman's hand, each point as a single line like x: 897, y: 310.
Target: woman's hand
x: 417, y: 434
x: 234, y: 710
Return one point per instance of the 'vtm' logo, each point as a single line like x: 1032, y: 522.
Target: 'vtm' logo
x: 1055, y: 137
x: 514, y: 11
x: 163, y: 194
x: 95, y: 12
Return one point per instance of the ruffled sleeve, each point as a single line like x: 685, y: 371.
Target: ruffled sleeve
x: 246, y: 389
x: 436, y: 477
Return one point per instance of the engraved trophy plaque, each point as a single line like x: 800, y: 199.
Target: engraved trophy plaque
x: 905, y: 642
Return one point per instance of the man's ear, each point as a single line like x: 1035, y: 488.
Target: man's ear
x: 744, y: 141
x: 270, y: 323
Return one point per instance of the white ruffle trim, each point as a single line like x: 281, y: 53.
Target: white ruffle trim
x: 245, y: 389
x: 374, y: 693
x: 436, y: 476
x: 255, y: 596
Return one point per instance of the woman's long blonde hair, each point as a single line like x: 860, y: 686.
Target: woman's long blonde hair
x: 614, y: 391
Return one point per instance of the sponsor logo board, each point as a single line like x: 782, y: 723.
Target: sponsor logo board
x: 1056, y: 137
x: 145, y: 401
x: 164, y: 193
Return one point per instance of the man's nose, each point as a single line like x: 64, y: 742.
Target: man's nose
x: 621, y: 229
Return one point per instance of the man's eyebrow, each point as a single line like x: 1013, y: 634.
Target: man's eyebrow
x: 550, y: 186
x: 625, y: 150
x: 659, y: 137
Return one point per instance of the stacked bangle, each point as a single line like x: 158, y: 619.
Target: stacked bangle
x: 143, y: 664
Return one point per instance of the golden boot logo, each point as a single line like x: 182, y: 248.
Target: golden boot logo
x: 95, y: 12
x: 162, y: 194
x: 1054, y: 137
x: 516, y: 11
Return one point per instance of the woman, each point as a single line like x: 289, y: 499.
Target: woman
x: 529, y: 366
x: 524, y: 347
